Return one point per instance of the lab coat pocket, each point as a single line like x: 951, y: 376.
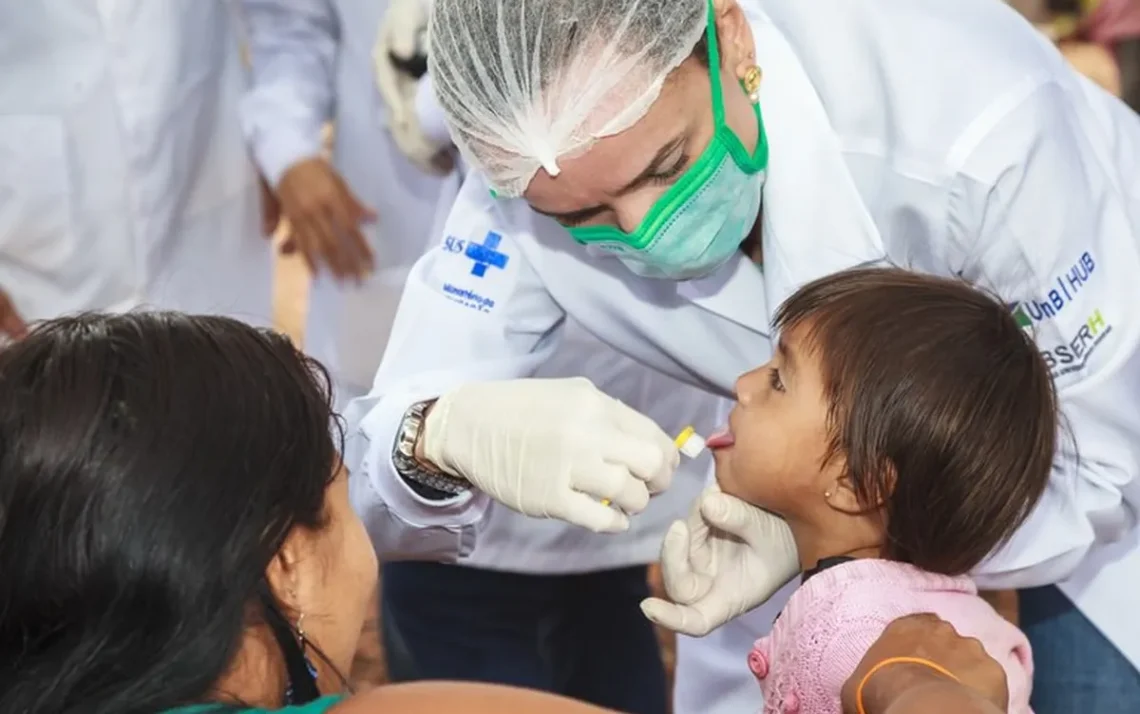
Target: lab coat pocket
x: 35, y: 205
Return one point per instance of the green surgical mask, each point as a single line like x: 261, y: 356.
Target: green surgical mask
x: 702, y: 219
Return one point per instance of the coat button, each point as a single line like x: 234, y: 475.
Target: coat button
x: 791, y: 703
x: 758, y: 663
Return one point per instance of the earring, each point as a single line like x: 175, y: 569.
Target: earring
x: 751, y: 83
x: 303, y: 643
x: 827, y: 494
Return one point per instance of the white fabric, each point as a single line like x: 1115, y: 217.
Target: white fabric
x: 725, y: 559
x: 312, y: 63
x: 526, y: 82
x: 311, y: 57
x: 124, y: 179
x: 1007, y: 180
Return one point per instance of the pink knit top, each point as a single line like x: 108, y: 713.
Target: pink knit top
x: 835, y: 617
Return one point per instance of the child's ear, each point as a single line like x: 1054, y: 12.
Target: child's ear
x: 842, y: 497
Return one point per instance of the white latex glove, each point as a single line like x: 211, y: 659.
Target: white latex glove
x: 551, y: 448
x: 725, y: 559
x: 403, y: 33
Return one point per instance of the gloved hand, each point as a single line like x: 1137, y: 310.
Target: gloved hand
x: 551, y: 448
x: 725, y: 559
x: 400, y: 59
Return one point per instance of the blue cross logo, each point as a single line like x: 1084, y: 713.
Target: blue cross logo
x: 486, y: 254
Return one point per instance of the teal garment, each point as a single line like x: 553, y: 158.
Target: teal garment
x: 318, y: 706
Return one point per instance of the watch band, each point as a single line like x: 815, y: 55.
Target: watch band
x: 427, y: 482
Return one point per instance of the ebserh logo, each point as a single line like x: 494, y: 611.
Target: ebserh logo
x: 1074, y: 354
x: 1058, y: 297
x: 486, y: 254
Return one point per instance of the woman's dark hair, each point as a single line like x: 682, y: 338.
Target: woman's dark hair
x: 941, y: 405
x: 151, y: 466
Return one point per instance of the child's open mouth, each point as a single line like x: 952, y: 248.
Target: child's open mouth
x: 722, y: 439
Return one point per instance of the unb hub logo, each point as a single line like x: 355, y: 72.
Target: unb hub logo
x: 1062, y: 291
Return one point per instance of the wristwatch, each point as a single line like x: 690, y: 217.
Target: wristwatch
x: 424, y: 480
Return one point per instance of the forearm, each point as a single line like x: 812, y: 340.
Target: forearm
x: 914, y: 689
x: 938, y: 697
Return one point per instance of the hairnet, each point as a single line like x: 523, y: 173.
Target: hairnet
x: 523, y: 82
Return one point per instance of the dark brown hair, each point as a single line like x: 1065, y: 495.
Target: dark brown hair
x: 940, y: 403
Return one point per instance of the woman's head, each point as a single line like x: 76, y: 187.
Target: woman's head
x: 592, y: 109
x: 161, y: 478
x: 909, y: 407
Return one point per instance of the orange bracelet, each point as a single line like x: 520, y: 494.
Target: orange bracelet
x: 898, y: 660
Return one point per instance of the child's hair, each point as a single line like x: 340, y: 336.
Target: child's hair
x: 941, y: 404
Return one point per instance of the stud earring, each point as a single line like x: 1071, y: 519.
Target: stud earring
x: 827, y: 494
x: 751, y: 83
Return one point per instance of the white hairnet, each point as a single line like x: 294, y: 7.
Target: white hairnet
x: 523, y: 82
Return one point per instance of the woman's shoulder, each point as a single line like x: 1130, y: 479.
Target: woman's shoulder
x: 470, y: 698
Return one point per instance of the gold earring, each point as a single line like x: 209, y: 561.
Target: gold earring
x: 300, y: 628
x: 751, y: 83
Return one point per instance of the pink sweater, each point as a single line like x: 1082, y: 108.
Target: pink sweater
x: 835, y: 617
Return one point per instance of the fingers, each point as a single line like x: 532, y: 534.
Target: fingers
x: 325, y: 220
x: 613, y: 483
x: 584, y: 511
x: 651, y: 452
x: 683, y: 583
x: 644, y: 460
x: 729, y: 513
x: 685, y: 619
x: 348, y: 214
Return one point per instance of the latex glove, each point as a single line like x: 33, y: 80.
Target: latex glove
x: 400, y: 59
x: 725, y: 559
x: 551, y: 448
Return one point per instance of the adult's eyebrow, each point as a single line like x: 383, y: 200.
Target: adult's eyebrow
x: 651, y: 169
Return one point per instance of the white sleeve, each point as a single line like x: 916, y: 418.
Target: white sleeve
x: 473, y: 309
x: 292, y: 53
x: 1046, y: 216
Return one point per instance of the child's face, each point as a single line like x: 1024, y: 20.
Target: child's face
x: 780, y: 437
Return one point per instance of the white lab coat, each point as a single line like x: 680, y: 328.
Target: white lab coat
x: 312, y: 63
x: 124, y: 179
x: 948, y: 138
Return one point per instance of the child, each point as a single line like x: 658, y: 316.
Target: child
x: 904, y: 429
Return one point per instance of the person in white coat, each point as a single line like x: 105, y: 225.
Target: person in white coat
x: 670, y: 209
x: 124, y: 179
x: 361, y: 217
x: 312, y: 63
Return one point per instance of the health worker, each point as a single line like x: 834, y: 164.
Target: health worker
x: 124, y: 177
x: 666, y: 173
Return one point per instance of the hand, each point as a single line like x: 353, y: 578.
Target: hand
x: 270, y: 208
x: 12, y: 326
x: 400, y: 59
x: 551, y: 448
x: 324, y: 219
x: 727, y: 558
x: 927, y: 637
